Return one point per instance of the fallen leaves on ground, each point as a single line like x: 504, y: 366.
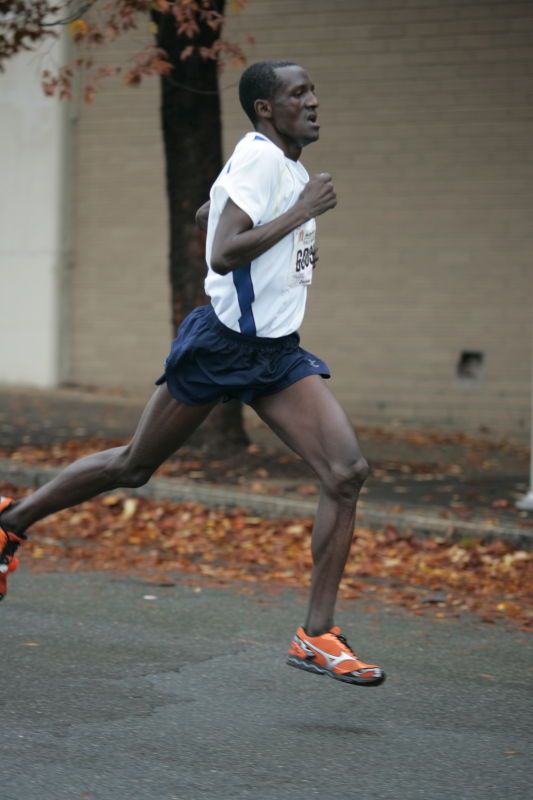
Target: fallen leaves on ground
x: 251, y: 468
x: 459, y: 488
x: 427, y: 575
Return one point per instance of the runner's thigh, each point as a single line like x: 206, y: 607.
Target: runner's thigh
x: 164, y: 426
x: 309, y: 419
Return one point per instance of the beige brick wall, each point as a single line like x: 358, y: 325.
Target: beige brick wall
x: 120, y: 304
x: 427, y: 129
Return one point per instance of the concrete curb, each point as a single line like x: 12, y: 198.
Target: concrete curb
x: 224, y: 496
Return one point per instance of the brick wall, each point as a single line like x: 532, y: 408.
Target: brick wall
x: 426, y: 128
x: 120, y: 302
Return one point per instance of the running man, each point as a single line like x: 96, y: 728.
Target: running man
x: 244, y: 344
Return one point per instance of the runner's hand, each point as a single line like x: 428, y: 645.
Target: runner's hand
x: 319, y: 195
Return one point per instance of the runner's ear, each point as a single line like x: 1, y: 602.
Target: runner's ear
x: 263, y: 109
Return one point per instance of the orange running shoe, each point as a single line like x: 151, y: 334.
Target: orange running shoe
x: 330, y: 654
x: 9, y: 543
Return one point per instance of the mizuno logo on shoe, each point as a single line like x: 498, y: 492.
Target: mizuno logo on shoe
x: 331, y: 660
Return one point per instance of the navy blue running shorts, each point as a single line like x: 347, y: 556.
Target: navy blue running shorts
x: 209, y: 362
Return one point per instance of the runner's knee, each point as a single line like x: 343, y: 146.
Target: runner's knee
x: 346, y: 479
x: 137, y: 476
x: 127, y: 473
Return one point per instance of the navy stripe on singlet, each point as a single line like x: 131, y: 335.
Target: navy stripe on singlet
x: 242, y: 278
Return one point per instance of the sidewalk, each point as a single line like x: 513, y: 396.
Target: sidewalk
x: 445, y: 485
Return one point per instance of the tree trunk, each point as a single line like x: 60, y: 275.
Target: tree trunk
x: 192, y: 137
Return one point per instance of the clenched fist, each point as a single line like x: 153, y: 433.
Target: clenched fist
x: 319, y: 195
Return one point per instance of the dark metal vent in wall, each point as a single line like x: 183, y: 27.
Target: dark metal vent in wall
x: 470, y: 365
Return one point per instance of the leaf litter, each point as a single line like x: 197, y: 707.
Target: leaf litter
x: 153, y: 538
x: 458, y: 490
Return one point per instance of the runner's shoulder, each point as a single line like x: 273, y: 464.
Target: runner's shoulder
x: 254, y: 147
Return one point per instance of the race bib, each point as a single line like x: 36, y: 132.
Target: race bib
x: 302, y: 259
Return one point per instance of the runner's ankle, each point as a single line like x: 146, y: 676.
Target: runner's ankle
x: 7, y: 524
x: 317, y: 630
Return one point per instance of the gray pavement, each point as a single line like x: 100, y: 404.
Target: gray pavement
x: 108, y: 695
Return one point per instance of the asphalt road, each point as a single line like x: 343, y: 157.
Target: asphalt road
x: 107, y: 695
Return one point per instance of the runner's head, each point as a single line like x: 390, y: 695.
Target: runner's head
x: 259, y: 82
x: 279, y: 98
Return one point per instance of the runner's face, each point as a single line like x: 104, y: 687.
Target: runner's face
x: 294, y: 106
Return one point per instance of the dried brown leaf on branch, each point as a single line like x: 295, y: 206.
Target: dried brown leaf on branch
x: 90, y: 25
x: 22, y: 24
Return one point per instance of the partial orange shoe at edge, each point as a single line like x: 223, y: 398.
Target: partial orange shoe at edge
x: 330, y: 654
x: 9, y: 543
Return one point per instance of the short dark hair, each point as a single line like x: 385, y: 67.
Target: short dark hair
x: 259, y: 82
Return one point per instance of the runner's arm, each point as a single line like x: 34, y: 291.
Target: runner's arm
x: 237, y: 242
x: 202, y: 215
